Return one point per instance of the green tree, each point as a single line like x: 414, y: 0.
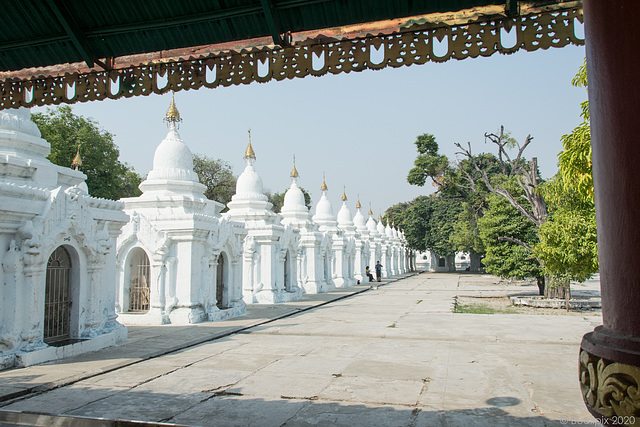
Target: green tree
x: 414, y: 221
x: 217, y: 176
x: 461, y: 180
x: 427, y: 221
x: 429, y: 163
x: 502, y: 257
x: 568, y: 241
x: 575, y: 159
x: 69, y: 134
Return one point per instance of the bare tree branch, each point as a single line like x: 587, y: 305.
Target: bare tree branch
x: 516, y: 241
x: 526, y: 179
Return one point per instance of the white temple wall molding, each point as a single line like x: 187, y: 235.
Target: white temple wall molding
x: 58, y: 258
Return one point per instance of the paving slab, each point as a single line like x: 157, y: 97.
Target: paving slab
x: 395, y: 355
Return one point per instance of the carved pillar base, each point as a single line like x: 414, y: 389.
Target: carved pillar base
x: 610, y: 376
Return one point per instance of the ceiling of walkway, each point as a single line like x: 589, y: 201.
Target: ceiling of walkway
x: 119, y: 43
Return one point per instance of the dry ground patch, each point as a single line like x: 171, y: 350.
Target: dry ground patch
x: 503, y: 305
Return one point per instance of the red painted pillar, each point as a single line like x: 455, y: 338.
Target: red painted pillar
x: 610, y: 355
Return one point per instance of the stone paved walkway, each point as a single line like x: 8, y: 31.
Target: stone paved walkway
x: 392, y: 356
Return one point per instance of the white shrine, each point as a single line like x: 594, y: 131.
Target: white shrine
x: 57, y: 250
x: 313, y: 244
x: 348, y: 245
x: 179, y: 261
x: 332, y: 245
x: 269, y: 272
x: 362, y: 245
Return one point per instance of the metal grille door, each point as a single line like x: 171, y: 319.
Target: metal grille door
x: 57, y: 297
x: 287, y: 280
x: 139, y: 287
x: 220, y: 282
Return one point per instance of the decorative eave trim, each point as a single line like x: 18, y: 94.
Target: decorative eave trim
x: 407, y: 41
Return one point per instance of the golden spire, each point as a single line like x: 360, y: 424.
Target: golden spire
x: 370, y: 211
x: 249, y: 154
x: 324, y: 184
x: 358, y: 205
x: 77, y: 160
x: 173, y: 115
x: 294, y: 171
x: 379, y: 217
x: 344, y: 193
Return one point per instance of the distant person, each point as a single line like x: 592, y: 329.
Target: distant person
x: 369, y: 275
x: 378, y: 270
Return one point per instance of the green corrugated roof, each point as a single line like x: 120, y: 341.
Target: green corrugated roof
x: 37, y: 33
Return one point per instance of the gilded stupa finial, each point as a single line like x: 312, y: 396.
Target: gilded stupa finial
x: 379, y: 217
x: 249, y: 154
x: 77, y: 160
x: 370, y: 211
x: 173, y: 115
x: 344, y: 193
x: 294, y: 171
x: 324, y: 184
x: 358, y: 205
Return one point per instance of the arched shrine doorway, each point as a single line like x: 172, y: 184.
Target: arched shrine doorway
x: 221, y: 281
x: 287, y: 273
x: 139, y: 289
x: 57, y: 299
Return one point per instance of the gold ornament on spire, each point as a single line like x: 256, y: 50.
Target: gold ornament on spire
x: 294, y: 171
x: 379, y: 217
x: 358, y: 205
x: 77, y: 160
x: 324, y: 184
x: 173, y: 115
x: 249, y: 154
x: 344, y: 193
x: 370, y: 211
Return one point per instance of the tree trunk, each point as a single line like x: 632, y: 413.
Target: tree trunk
x: 558, y: 288
x: 541, y: 286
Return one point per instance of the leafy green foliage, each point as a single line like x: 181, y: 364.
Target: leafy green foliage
x: 68, y: 133
x: 568, y: 240
x: 427, y: 221
x: 217, y: 175
x: 429, y: 163
x: 575, y: 160
x: 465, y: 236
x: 503, y: 258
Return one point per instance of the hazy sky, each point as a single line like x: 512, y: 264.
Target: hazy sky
x: 360, y: 128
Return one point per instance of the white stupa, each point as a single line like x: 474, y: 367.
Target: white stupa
x: 296, y: 214
x: 172, y: 173
x: 362, y: 245
x: 327, y: 224
x: 345, y: 223
x: 344, y: 244
x: 269, y: 266
x: 324, y: 217
x: 294, y: 209
x: 250, y: 202
x: 178, y: 241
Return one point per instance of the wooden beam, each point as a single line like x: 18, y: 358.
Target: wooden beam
x: 269, y: 13
x: 66, y: 20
